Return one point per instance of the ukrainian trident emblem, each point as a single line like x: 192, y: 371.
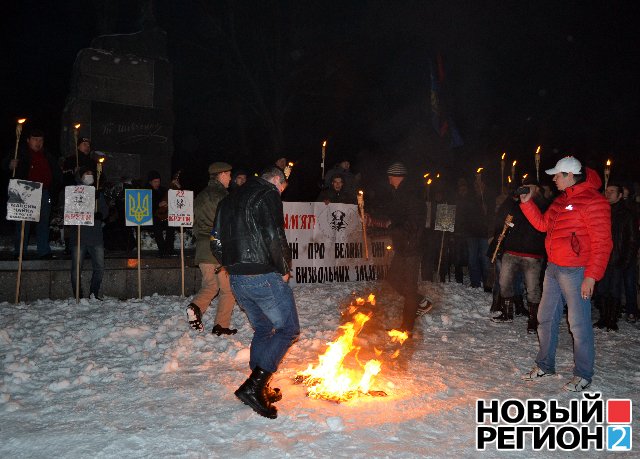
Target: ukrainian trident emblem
x: 138, y: 207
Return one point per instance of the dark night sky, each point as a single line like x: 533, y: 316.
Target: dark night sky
x: 561, y: 74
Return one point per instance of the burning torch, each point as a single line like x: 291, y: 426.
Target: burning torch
x: 364, y: 223
x: 18, y: 135
x: 324, y: 152
x: 507, y: 224
x: 479, y: 180
x: 76, y: 128
x: 513, y: 170
x: 502, y: 171
x: 607, y: 173
x: 99, y: 171
x: 287, y: 170
x: 538, y: 163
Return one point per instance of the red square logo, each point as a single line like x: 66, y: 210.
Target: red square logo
x: 619, y: 411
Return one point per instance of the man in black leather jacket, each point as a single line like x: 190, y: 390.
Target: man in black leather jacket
x: 248, y: 239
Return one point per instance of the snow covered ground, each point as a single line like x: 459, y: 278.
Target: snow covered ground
x: 129, y: 379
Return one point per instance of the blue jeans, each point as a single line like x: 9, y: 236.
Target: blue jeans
x: 478, y: 260
x: 268, y: 302
x: 562, y: 285
x: 42, y: 229
x: 97, y: 265
x: 512, y: 269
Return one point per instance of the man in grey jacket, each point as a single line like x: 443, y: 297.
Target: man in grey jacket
x: 215, y: 281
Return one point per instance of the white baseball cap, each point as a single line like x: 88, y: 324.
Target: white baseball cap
x: 566, y: 164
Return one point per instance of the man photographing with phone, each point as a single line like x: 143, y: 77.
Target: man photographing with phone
x: 578, y: 244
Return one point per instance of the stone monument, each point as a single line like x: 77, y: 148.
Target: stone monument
x: 122, y: 97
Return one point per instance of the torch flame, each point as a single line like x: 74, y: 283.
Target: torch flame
x: 101, y: 159
x: 77, y: 126
x: 438, y: 175
x: 360, y: 192
x: 425, y: 175
x: 509, y: 178
x: 429, y: 182
x: 324, y: 144
x: 389, y: 247
x: 22, y: 120
x: 608, y: 162
x: 525, y: 176
x: 514, y: 163
x: 538, y: 149
x: 479, y: 170
x: 503, y: 155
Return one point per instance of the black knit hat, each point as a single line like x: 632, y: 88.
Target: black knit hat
x: 397, y: 170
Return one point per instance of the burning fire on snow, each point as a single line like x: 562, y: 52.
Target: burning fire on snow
x: 330, y: 379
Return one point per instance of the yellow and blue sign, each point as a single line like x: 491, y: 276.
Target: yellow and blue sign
x: 137, y: 207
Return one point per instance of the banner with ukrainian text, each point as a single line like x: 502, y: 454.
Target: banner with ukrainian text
x: 326, y: 242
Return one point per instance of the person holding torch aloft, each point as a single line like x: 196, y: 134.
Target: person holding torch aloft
x: 578, y: 245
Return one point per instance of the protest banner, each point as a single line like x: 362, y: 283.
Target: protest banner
x: 445, y: 222
x: 137, y: 212
x: 180, y: 214
x: 24, y: 199
x: 79, y: 207
x: 327, y: 244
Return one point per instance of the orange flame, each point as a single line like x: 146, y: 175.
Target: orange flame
x: 479, y: 170
x: 371, y: 299
x: 503, y: 155
x: 608, y: 162
x: 538, y: 149
x: 22, y: 120
x: 331, y: 379
x: 324, y: 144
x: 77, y: 126
x: 514, y: 163
x: 398, y: 336
x: 429, y: 182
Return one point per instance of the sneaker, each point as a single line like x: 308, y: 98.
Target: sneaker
x: 535, y: 374
x: 577, y: 384
x: 424, y: 306
x: 194, y: 316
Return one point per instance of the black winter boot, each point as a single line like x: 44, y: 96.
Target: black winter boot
x: 253, y: 392
x: 518, y: 302
x: 532, y: 324
x: 612, y: 313
x: 496, y: 304
x: 507, y: 311
x: 602, y: 305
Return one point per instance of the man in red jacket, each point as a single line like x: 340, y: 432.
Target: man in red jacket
x: 578, y: 244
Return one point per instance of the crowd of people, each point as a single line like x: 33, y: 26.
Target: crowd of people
x: 539, y: 252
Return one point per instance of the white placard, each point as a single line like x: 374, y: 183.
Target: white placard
x: 24, y: 200
x: 79, y: 205
x: 445, y: 217
x: 180, y: 208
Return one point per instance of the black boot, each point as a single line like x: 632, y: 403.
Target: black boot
x: 612, y: 309
x: 253, y: 393
x: 602, y: 305
x: 220, y: 330
x: 507, y: 311
x: 518, y: 302
x: 532, y: 324
x: 496, y: 303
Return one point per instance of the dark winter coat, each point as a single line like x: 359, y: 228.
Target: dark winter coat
x: 521, y: 238
x: 90, y: 235
x: 24, y: 164
x: 578, y: 226
x: 69, y: 167
x: 248, y: 233
x: 204, y: 213
x: 406, y: 211
x: 331, y: 195
x: 471, y: 216
x: 625, y: 236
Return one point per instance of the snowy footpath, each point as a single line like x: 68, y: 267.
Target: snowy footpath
x: 129, y: 379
